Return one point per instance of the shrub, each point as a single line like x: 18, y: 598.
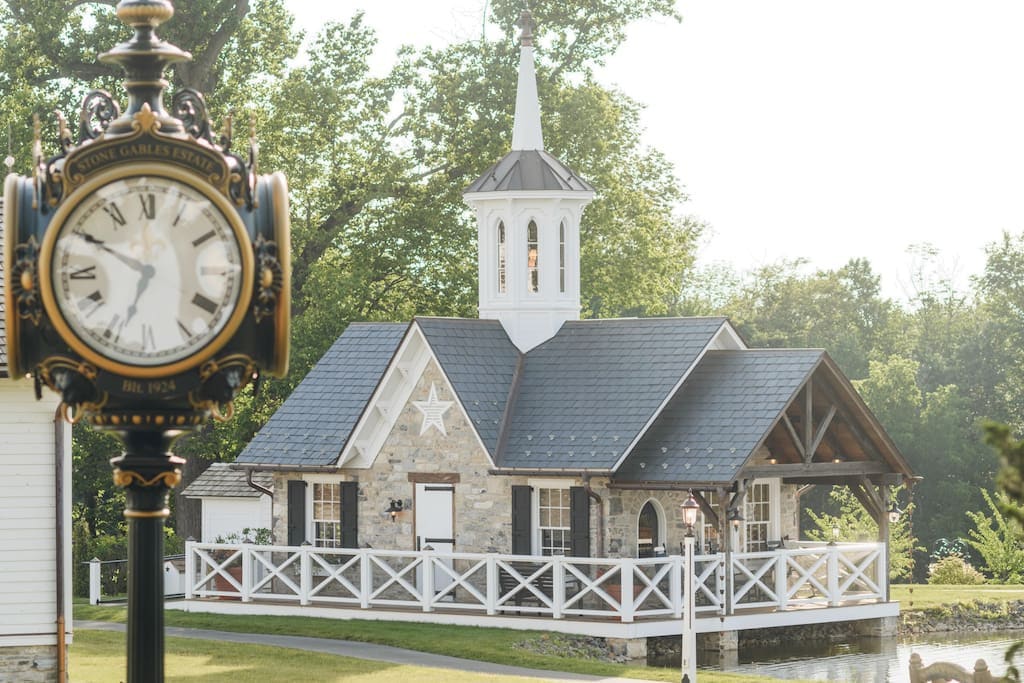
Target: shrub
x: 997, y: 538
x: 954, y: 570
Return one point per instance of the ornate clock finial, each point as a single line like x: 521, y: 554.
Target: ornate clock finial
x: 527, y: 24
x: 144, y: 59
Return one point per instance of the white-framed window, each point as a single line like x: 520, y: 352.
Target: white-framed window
x: 561, y: 257
x: 326, y: 514
x: 554, y: 535
x: 532, y: 258
x: 761, y: 524
x: 501, y: 257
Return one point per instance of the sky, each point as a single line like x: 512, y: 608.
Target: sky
x: 823, y: 130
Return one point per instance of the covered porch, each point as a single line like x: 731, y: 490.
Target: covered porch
x: 609, y: 597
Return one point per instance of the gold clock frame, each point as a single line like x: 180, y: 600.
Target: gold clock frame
x: 70, y: 203
x: 282, y: 236
x: 11, y: 322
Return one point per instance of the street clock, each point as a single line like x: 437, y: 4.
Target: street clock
x: 147, y: 263
x: 146, y: 280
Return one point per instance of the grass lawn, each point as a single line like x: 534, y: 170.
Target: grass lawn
x: 99, y: 656
x: 923, y: 596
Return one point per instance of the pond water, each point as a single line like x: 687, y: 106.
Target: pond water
x: 874, y: 660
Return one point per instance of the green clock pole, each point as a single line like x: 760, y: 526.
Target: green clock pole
x: 147, y: 471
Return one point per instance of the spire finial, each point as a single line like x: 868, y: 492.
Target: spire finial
x: 526, y: 133
x: 527, y: 24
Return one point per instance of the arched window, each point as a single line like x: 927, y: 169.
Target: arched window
x: 501, y: 257
x: 649, y: 531
x: 532, y: 259
x: 561, y: 257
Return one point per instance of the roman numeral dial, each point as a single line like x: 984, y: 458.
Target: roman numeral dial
x: 149, y: 270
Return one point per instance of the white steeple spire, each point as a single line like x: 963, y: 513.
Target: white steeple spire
x: 528, y: 208
x: 526, y: 132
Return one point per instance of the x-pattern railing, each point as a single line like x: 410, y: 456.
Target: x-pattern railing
x: 855, y: 566
x: 557, y: 587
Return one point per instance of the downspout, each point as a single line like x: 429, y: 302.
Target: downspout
x: 59, y: 454
x: 600, y: 514
x: 259, y: 487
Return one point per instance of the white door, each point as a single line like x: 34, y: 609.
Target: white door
x: 435, y: 525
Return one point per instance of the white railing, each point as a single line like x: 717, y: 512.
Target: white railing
x: 558, y: 587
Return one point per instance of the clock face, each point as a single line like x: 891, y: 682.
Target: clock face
x: 146, y: 270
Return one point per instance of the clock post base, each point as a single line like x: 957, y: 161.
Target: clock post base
x: 148, y: 471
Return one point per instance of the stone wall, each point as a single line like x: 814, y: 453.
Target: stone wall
x: 976, y: 616
x: 789, y: 512
x: 482, y: 503
x: 28, y: 664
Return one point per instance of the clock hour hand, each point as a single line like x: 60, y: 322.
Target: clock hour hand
x: 132, y: 263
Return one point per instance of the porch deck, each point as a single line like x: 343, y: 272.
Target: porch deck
x: 610, y: 597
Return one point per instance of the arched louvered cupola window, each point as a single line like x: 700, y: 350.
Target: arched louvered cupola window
x: 561, y: 257
x: 532, y: 259
x: 501, y: 257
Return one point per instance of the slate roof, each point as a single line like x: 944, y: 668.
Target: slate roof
x: 532, y: 169
x: 586, y: 393
x: 219, y: 480
x: 311, y: 426
x: 480, y: 360
x: 3, y: 323
x: 720, y: 415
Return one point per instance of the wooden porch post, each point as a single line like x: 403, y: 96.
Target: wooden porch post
x: 883, y: 537
x: 725, y: 546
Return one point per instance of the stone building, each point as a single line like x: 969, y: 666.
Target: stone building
x: 530, y: 431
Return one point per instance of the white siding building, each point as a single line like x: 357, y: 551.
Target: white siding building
x: 35, y: 524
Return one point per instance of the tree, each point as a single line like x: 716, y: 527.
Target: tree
x: 1011, y: 482
x: 953, y: 462
x: 377, y: 164
x: 840, y: 310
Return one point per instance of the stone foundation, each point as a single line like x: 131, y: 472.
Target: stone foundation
x: 724, y: 646
x: 28, y: 664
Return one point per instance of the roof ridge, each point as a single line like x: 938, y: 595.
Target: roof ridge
x: 510, y: 402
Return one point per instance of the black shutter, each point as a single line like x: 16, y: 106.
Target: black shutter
x: 296, y: 512
x: 349, y: 514
x: 522, y: 509
x: 579, y: 524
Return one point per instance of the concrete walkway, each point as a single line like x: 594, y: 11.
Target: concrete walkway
x: 378, y: 653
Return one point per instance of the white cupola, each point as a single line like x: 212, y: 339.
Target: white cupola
x: 528, y: 208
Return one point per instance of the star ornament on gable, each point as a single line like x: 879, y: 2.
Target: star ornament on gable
x: 433, y: 411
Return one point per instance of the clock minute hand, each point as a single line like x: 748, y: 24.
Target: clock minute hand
x: 132, y: 263
x: 147, y: 274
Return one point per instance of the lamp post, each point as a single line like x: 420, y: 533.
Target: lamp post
x: 688, y: 651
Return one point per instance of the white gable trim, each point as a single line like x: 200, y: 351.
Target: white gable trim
x: 392, y: 392
x: 390, y: 397
x: 725, y: 338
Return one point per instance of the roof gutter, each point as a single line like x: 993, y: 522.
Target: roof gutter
x: 667, y: 486
x: 553, y: 471
x: 259, y: 487
x: 331, y: 469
